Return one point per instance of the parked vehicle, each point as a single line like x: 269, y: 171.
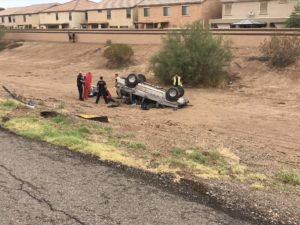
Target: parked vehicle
x: 135, y: 86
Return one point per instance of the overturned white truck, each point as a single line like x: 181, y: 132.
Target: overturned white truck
x: 135, y: 87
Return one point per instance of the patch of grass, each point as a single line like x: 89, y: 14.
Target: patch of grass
x: 257, y: 186
x: 156, y: 154
x: 113, y: 141
x: 178, y: 152
x: 288, y: 177
x: 89, y: 137
x: 8, y: 104
x: 207, y: 157
x: 62, y: 120
x: 99, y: 129
x: 175, y: 163
x: 136, y: 145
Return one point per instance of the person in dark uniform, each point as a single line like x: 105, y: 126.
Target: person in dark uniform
x: 70, y: 36
x: 74, y: 37
x: 101, y: 85
x: 80, y: 85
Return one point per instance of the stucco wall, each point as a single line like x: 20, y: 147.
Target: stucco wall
x: 63, y: 17
x: 6, y: 23
x: 118, y: 17
x: 250, y: 38
x: 33, y: 19
x: 176, y: 19
x: 240, y: 10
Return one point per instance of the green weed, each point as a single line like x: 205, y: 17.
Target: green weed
x: 8, y: 104
x: 288, y: 177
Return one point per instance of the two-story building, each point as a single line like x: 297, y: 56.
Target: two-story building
x: 7, y: 17
x: 254, y: 13
x: 68, y: 15
x: 29, y: 17
x: 113, y: 14
x: 176, y: 13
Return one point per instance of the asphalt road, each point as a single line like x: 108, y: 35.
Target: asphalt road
x: 43, y: 184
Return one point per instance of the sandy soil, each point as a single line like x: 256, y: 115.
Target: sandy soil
x: 257, y: 116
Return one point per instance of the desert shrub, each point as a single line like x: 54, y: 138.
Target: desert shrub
x: 118, y: 55
x: 294, y: 20
x: 281, y: 51
x: 2, y: 32
x: 2, y: 44
x: 108, y: 43
x: 194, y: 54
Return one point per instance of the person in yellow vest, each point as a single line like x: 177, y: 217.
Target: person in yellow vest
x: 177, y: 81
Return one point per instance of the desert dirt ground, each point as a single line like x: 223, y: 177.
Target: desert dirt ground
x: 257, y: 116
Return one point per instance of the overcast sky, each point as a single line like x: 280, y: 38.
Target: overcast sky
x: 17, y: 3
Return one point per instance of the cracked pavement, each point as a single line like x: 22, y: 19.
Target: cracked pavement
x: 44, y: 184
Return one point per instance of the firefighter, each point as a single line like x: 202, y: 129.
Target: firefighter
x: 177, y: 81
x: 101, y: 85
x: 80, y: 85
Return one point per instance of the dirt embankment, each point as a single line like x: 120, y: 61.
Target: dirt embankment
x: 257, y: 117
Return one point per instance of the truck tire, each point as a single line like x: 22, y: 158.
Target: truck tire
x: 181, y: 91
x: 141, y: 78
x: 131, y: 80
x: 172, y: 94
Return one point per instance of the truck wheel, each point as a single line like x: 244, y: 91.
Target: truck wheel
x: 172, y: 94
x: 181, y: 91
x: 131, y: 80
x: 141, y: 78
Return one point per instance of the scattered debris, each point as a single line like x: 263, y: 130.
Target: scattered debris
x: 29, y: 104
x: 102, y: 119
x: 238, y: 65
x: 114, y: 105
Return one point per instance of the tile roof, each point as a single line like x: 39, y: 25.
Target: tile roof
x: 10, y: 11
x: 117, y: 4
x: 166, y: 2
x: 75, y: 5
x: 36, y: 8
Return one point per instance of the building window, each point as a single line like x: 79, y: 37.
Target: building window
x: 24, y: 18
x: 227, y: 9
x: 128, y: 13
x: 99, y: 11
x: 264, y: 8
x: 146, y: 12
x: 56, y: 16
x: 14, y: 19
x: 185, y: 10
x: 86, y: 16
x: 166, y: 11
x: 9, y: 19
x: 70, y: 16
x: 2, y: 18
x: 108, y: 14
